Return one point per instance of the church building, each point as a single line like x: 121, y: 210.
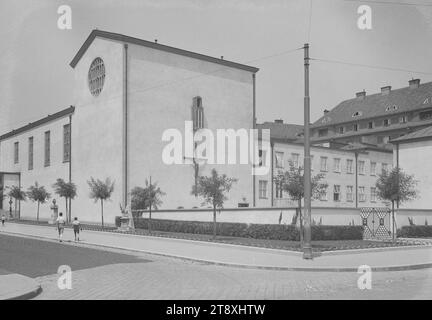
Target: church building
x: 128, y: 92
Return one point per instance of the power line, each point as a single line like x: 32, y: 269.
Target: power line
x: 393, y: 3
x: 370, y: 66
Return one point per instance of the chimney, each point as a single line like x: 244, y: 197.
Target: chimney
x: 361, y: 95
x: 414, y: 83
x: 385, y: 90
x: 278, y: 121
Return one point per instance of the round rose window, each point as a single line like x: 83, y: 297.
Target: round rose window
x: 96, y: 76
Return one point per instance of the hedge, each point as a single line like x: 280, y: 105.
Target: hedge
x: 257, y: 231
x: 415, y: 232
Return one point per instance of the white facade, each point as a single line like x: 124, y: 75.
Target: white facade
x: 414, y: 159
x: 339, y: 168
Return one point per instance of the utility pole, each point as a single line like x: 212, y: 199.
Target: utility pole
x: 150, y: 207
x: 307, y: 247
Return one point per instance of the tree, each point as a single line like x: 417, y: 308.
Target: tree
x: 101, y: 191
x: 16, y: 193
x: 38, y: 194
x: 396, y: 186
x: 147, y: 198
x: 292, y: 182
x: 66, y: 190
x: 213, y: 189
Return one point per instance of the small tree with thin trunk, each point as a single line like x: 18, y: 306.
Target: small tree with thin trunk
x: 38, y: 194
x: 292, y: 182
x: 396, y: 186
x: 101, y: 191
x: 213, y: 189
x: 16, y: 193
x: 66, y: 190
x: 147, y: 198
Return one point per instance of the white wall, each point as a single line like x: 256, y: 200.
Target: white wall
x: 328, y: 216
x: 415, y: 158
x: 161, y: 89
x: 97, y: 131
x: 45, y: 176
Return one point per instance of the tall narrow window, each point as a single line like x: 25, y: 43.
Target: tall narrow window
x: 66, y: 143
x: 197, y: 113
x: 349, y: 166
x: 16, y: 152
x: 349, y: 193
x: 263, y: 189
x: 361, y: 167
x: 373, y: 194
x: 279, y: 159
x: 323, y: 164
x: 336, y: 165
x: 47, y: 149
x: 373, y: 168
x: 336, y: 193
x: 362, y: 194
x: 295, y: 159
x: 30, y: 153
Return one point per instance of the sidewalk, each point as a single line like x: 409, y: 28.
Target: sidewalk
x: 240, y: 256
x: 17, y: 287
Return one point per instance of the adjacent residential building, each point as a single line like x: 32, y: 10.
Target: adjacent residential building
x: 350, y: 172
x: 377, y: 118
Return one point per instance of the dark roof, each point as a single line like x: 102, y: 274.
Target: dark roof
x: 127, y: 39
x: 39, y: 122
x: 422, y: 134
x: 282, y: 131
x: 408, y: 126
x: 371, y: 106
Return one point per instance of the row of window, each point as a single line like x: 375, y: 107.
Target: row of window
x: 425, y: 115
x: 47, y: 148
x: 324, y: 164
x: 337, y: 193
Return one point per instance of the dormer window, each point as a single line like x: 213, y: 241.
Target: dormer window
x: 391, y: 108
x: 197, y: 113
x: 357, y: 114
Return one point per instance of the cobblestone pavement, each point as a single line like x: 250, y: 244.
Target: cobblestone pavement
x: 168, y: 278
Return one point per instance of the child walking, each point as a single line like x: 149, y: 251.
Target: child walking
x: 61, y: 222
x: 76, y: 228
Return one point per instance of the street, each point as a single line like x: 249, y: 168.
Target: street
x: 117, y: 274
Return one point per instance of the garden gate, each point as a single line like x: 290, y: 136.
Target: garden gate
x: 377, y: 223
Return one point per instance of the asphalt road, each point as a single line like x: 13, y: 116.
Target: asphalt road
x: 35, y: 258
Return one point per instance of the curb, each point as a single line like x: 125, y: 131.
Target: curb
x: 31, y: 288
x: 234, y: 265
x: 28, y: 295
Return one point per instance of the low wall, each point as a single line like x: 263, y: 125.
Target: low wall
x: 327, y: 216
x: 419, y: 216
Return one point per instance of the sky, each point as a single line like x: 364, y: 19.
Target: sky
x: 36, y: 79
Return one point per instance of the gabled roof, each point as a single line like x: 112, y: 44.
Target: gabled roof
x: 127, y: 39
x: 31, y: 125
x: 422, y: 134
x: 375, y: 105
x: 282, y: 131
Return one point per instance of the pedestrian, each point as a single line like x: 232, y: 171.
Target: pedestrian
x: 3, y: 218
x: 76, y: 228
x: 61, y: 222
